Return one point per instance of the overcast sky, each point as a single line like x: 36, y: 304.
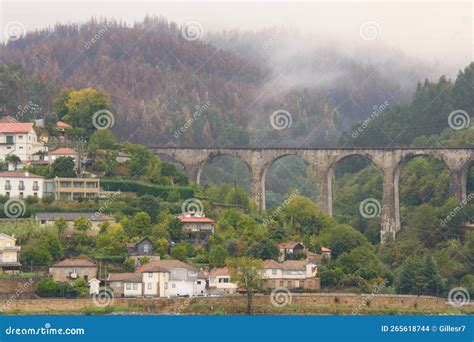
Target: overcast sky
x: 434, y: 31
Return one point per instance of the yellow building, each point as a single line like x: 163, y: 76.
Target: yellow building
x: 9, y: 254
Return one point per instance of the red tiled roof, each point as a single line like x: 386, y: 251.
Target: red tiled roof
x: 195, y: 219
x: 164, y: 266
x: 223, y: 271
x: 62, y: 124
x: 294, y: 264
x: 271, y: 264
x: 18, y: 174
x: 79, y: 262
x: 63, y: 150
x: 16, y: 127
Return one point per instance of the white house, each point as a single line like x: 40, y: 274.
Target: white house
x: 21, y: 184
x: 219, y: 281
x: 20, y: 139
x: 171, y: 278
x: 64, y: 152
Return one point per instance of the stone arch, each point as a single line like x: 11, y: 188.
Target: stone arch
x: 409, y: 156
x: 274, y: 166
x: 361, y: 209
x: 214, y: 156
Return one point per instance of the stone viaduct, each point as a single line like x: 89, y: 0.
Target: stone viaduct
x: 389, y: 161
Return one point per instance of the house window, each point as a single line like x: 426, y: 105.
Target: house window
x: 145, y: 248
x: 20, y: 137
x: 223, y: 280
x: 10, y: 139
x: 35, y: 186
x: 135, y: 286
x: 150, y: 275
x: 274, y: 271
x: 166, y: 286
x: 21, y: 186
x: 21, y: 194
x: 173, y: 286
x: 128, y: 286
x: 8, y: 186
x: 149, y: 286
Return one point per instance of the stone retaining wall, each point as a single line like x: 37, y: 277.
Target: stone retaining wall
x: 165, y: 305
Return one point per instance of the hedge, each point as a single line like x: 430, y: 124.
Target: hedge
x: 141, y: 188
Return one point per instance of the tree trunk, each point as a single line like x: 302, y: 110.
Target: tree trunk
x: 249, y: 302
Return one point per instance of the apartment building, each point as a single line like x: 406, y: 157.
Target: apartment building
x: 19, y: 184
x: 74, y: 188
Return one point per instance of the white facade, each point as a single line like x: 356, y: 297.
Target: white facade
x: 21, y: 184
x: 19, y: 139
x: 132, y: 289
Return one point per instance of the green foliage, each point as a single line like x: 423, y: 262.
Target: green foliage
x: 217, y: 256
x: 63, y: 167
x: 246, y: 273
x: 82, y: 224
x: 143, y: 188
x: 341, y: 238
x: 47, y: 287
x: 81, y: 106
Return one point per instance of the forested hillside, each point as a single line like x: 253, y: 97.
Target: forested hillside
x: 158, y: 81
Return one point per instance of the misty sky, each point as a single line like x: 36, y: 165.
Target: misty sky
x: 436, y: 32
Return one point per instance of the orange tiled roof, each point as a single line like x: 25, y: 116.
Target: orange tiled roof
x: 62, y: 124
x: 16, y: 127
x: 63, y: 150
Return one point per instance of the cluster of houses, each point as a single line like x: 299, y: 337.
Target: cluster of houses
x: 173, y: 278
x: 155, y: 277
